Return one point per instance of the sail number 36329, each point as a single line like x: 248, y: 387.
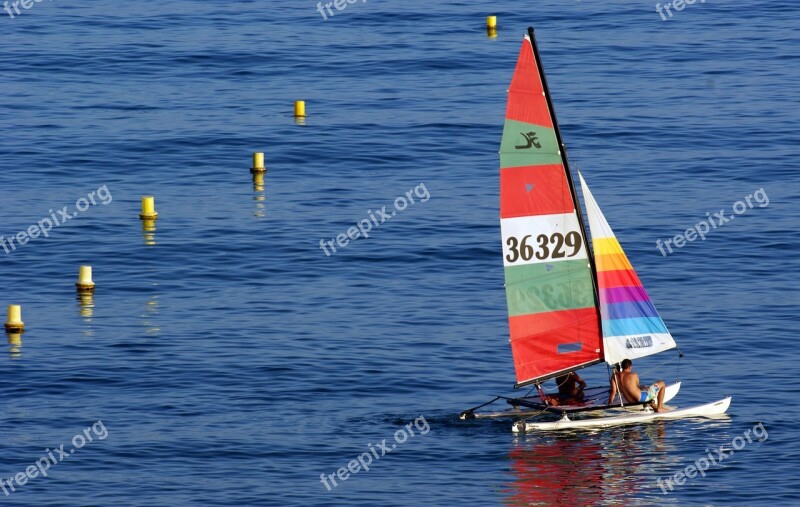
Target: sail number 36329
x: 554, y: 246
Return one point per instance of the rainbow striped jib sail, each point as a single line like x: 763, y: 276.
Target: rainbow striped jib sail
x: 631, y: 325
x: 556, y: 322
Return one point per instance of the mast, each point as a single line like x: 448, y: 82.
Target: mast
x: 572, y: 190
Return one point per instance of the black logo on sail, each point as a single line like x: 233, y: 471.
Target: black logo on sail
x: 531, y: 139
x: 640, y: 342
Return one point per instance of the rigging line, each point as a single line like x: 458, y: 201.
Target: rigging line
x: 662, y: 364
x: 557, y: 384
x: 703, y: 374
x: 480, y: 406
x: 492, y: 401
x: 535, y: 415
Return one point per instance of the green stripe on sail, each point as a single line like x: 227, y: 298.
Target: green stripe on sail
x: 521, y: 137
x: 508, y: 160
x: 528, y: 144
x: 532, y: 288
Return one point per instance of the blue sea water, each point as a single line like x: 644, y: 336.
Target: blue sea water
x: 232, y: 362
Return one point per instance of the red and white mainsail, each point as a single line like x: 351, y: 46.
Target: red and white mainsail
x: 552, y: 308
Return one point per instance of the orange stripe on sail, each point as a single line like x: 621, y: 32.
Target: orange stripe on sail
x: 612, y: 262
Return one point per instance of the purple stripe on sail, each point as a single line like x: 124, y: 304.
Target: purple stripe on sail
x: 623, y: 294
x: 629, y: 310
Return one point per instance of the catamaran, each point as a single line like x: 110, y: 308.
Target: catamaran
x: 569, y: 306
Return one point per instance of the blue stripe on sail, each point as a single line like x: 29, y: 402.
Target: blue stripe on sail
x: 624, y: 327
x: 630, y: 310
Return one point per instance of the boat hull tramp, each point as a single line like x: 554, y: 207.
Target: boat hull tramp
x: 708, y: 410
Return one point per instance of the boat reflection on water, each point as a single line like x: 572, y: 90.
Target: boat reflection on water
x: 614, y: 466
x: 563, y: 471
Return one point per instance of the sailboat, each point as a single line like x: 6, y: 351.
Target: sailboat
x: 569, y: 306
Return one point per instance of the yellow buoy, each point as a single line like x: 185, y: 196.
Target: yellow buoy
x: 258, y: 164
x: 14, y: 323
x: 148, y: 208
x: 85, y: 283
x: 491, y: 22
x: 300, y: 108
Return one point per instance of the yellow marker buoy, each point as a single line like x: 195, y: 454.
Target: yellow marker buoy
x: 14, y: 323
x: 491, y: 22
x: 148, y: 208
x: 300, y: 108
x: 258, y: 164
x: 85, y: 283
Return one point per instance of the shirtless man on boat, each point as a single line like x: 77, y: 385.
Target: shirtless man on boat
x: 627, y: 382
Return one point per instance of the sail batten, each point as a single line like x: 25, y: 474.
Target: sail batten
x: 553, y: 318
x: 632, y: 327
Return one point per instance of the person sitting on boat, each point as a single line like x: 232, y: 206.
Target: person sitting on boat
x: 626, y: 382
x: 570, y: 388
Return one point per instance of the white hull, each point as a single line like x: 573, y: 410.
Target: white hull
x: 708, y: 410
x: 672, y: 391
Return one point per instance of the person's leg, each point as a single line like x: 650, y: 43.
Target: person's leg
x: 661, y: 389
